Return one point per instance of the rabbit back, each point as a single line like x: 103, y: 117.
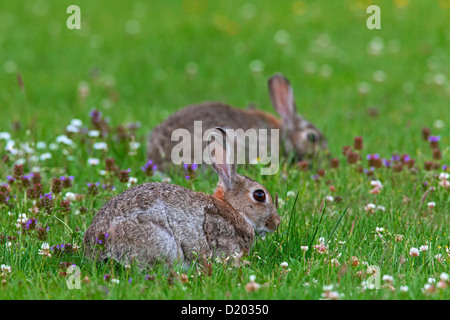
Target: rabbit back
x: 211, y: 115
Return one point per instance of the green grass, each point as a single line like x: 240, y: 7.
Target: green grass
x: 196, y: 50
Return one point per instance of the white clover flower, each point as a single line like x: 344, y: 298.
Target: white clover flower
x: 70, y: 196
x: 327, y: 288
x: 5, y: 268
x: 423, y: 248
x: 377, y: 229
x: 5, y: 135
x: 376, y: 184
x: 115, y: 281
x: 404, y: 288
x: 41, y: 145
x: 76, y: 122
x: 252, y: 278
x: 370, y: 207
x: 381, y: 208
x: 329, y: 198
x: 93, y: 133
x: 444, y: 176
x: 93, y: 161
x: 304, y: 248
x: 73, y: 129
x: 388, y: 278
x: 100, y: 146
x: 431, y: 204
x: 290, y: 194
x: 284, y: 265
x: 45, y: 156
x: 414, y: 252
x: 134, y: 145
x: 64, y: 139
x: 443, y: 276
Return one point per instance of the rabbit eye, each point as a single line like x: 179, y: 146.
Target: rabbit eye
x: 259, y: 195
x: 311, y: 137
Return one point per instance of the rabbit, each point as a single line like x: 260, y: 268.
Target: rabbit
x: 299, y: 136
x: 166, y: 223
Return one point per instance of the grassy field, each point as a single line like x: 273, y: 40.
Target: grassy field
x: 136, y: 62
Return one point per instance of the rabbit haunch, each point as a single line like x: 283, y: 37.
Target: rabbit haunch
x: 260, y: 142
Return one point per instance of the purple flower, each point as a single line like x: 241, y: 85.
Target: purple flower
x: 434, y: 138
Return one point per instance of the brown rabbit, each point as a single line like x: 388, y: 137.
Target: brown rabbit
x: 158, y: 222
x: 299, y: 137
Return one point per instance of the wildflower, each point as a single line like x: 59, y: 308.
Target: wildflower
x: 358, y: 143
x: 414, y: 252
x: 423, y: 248
x: 252, y: 285
x: 328, y: 294
x: 284, y: 265
x: 149, y: 277
x: 387, y: 278
x: 5, y: 268
x: 404, y: 288
x: 115, y: 281
x: 72, y: 129
x: 45, y: 250
x: 329, y: 198
x: 93, y: 133
x: 124, y: 175
x: 64, y: 139
x: 431, y: 204
x: 377, y: 229
x: 57, y: 185
x: 426, y: 133
x: 100, y: 146
x: 374, y: 160
x: 444, y: 276
x: 190, y: 170
x: 70, y: 196
x: 376, y: 184
x: 354, y: 261
x: 149, y: 168
x: 434, y: 141
x: 370, y: 207
x: 5, y: 136
x: 335, y: 262
x: 334, y: 163
x: 45, y: 156
x: 399, y: 237
x: 304, y: 248
x: 46, y: 202
x: 93, y: 161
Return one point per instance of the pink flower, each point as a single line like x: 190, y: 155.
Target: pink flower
x: 414, y: 252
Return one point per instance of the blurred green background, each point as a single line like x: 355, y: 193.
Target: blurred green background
x: 141, y: 60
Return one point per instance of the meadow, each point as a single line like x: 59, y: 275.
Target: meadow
x: 77, y: 105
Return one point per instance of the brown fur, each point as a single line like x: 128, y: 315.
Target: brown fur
x: 294, y: 129
x: 159, y: 222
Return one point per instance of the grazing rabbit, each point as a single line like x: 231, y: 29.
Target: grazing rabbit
x: 299, y: 137
x: 159, y: 222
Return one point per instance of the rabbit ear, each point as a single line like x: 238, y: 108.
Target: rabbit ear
x: 221, y: 152
x: 282, y: 97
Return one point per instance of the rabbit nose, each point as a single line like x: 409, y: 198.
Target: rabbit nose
x: 273, y: 222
